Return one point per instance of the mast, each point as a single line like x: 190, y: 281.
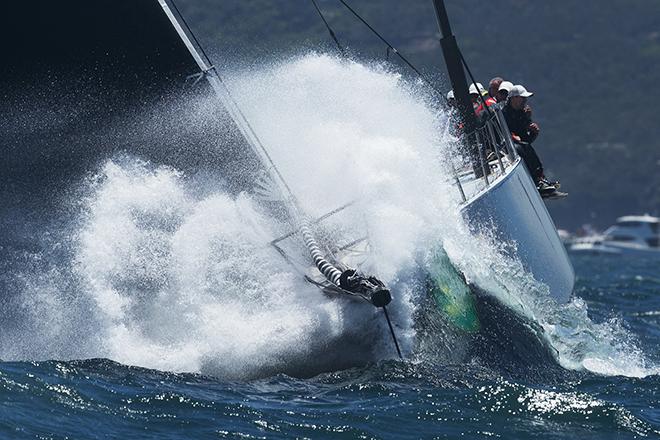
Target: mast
x: 455, y: 68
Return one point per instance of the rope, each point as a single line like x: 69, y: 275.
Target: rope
x: 330, y: 272
x: 330, y: 31
x: 483, y: 101
x: 211, y: 72
x: 394, y: 50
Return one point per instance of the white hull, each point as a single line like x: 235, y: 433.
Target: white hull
x: 635, y: 235
x: 513, y: 207
x: 611, y: 248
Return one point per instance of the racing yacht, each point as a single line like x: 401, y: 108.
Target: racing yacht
x: 109, y: 40
x: 497, y: 191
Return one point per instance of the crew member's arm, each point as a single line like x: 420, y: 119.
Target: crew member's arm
x: 533, y: 131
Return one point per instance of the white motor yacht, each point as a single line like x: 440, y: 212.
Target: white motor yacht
x: 630, y: 235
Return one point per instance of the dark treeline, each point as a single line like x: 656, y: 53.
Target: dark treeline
x: 593, y: 66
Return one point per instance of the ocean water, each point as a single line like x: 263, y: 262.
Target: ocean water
x: 150, y: 305
x: 414, y: 398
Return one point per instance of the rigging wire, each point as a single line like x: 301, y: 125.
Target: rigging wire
x: 330, y: 31
x: 327, y: 269
x: 211, y: 70
x: 483, y: 101
x: 199, y: 46
x: 393, y: 50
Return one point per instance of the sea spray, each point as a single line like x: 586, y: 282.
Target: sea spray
x: 393, y: 157
x: 170, y: 271
x: 192, y: 285
x: 576, y: 341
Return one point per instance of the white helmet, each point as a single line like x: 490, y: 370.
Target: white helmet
x: 477, y: 89
x: 506, y: 85
x: 519, y: 91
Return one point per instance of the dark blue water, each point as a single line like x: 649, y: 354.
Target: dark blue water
x: 99, y: 398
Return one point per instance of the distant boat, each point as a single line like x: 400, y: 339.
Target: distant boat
x: 630, y: 235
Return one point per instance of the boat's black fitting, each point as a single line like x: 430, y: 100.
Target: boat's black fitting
x: 369, y: 288
x: 381, y: 297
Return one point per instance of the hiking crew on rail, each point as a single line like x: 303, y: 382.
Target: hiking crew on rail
x: 512, y: 100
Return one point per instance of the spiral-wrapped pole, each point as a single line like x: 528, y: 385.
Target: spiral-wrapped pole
x: 329, y: 271
x: 350, y: 280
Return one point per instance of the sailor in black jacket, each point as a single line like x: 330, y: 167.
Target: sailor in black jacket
x: 524, y: 131
x: 518, y: 116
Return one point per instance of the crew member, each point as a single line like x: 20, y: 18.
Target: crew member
x: 451, y: 99
x: 503, y: 92
x: 523, y: 132
x: 475, y: 90
x: 494, y: 86
x: 479, y: 96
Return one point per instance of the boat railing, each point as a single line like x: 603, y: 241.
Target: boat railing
x: 491, y: 152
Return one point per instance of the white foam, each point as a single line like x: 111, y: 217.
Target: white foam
x: 340, y: 118
x: 217, y: 295
x: 183, y: 279
x: 182, y: 283
x: 577, y: 342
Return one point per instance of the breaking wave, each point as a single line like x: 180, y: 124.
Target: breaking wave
x: 165, y: 270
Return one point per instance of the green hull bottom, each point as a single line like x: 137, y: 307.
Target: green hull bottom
x: 451, y: 294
